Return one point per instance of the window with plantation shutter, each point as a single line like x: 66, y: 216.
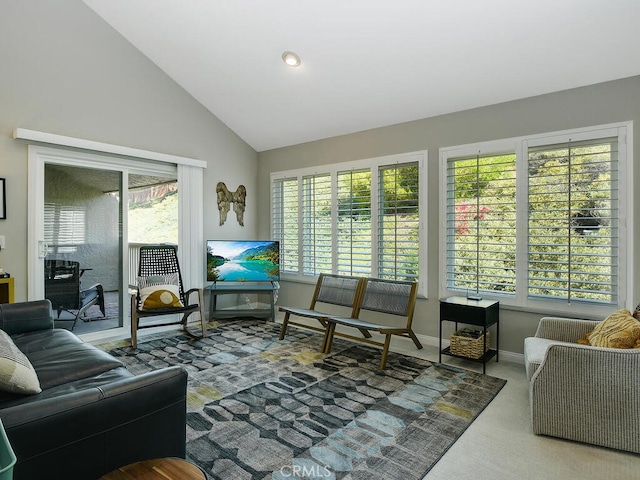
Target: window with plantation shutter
x: 399, y: 222
x: 539, y: 222
x: 285, y: 222
x: 64, y: 227
x: 317, y: 232
x: 481, y: 223
x: 354, y: 223
x: 573, y: 221
x: 359, y: 218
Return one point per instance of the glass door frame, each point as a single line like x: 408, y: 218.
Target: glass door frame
x: 190, y: 216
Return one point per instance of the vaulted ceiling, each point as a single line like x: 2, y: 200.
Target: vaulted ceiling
x: 372, y: 63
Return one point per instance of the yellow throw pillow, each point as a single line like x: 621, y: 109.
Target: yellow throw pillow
x: 618, y: 330
x: 158, y: 292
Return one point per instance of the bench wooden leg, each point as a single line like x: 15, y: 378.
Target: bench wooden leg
x: 415, y: 339
x: 365, y: 333
x: 285, y: 323
x: 385, y: 351
x: 328, y: 337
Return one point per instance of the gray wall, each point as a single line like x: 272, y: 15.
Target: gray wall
x: 594, y: 105
x: 63, y: 70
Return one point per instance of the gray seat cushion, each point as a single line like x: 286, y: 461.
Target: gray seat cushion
x: 535, y: 349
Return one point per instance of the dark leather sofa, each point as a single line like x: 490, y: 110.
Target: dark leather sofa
x: 92, y: 415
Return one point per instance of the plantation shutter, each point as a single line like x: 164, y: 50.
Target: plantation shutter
x: 285, y: 222
x: 354, y: 223
x: 64, y: 227
x: 573, y: 221
x: 316, y: 224
x: 398, y: 222
x: 481, y: 223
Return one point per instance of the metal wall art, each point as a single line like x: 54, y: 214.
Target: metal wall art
x: 226, y: 198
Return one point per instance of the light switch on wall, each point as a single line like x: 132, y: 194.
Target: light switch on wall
x: 2, y: 242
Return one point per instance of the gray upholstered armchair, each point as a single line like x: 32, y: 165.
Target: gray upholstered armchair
x: 579, y: 392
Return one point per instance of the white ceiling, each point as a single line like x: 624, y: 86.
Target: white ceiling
x: 372, y: 63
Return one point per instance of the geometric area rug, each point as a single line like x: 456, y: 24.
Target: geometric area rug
x: 260, y: 408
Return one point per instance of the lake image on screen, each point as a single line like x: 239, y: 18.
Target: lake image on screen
x: 242, y: 261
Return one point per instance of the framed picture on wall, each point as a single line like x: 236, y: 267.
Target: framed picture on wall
x: 3, y: 200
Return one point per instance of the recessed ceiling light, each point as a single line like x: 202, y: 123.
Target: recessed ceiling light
x: 291, y: 59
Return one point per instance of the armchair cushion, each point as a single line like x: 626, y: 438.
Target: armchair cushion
x: 159, y: 291
x: 535, y: 349
x: 618, y: 330
x: 17, y: 375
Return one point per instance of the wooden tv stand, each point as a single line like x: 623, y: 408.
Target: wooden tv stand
x: 223, y: 288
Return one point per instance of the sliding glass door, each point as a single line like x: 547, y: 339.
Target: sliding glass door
x: 88, y: 216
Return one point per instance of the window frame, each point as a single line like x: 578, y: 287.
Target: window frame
x: 520, y: 146
x: 373, y: 164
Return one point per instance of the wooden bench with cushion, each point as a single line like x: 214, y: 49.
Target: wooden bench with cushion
x: 338, y: 290
x: 393, y: 297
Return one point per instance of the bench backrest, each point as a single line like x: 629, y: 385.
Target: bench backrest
x: 395, y: 297
x: 338, y: 290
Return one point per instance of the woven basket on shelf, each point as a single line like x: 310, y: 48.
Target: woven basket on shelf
x: 469, y: 343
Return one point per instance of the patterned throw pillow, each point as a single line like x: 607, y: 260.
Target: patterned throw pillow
x: 618, y: 330
x: 16, y: 372
x: 636, y: 312
x: 159, y: 291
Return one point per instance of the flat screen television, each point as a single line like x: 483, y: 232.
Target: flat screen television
x: 243, y: 261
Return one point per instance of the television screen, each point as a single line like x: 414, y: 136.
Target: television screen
x: 243, y: 261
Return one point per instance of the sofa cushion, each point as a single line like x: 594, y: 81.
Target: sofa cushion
x: 160, y: 291
x: 17, y: 375
x: 535, y: 348
x: 58, y: 356
x: 618, y: 330
x: 11, y: 399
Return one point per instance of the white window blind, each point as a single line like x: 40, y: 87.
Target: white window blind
x: 317, y: 234
x: 573, y: 221
x: 354, y: 223
x: 541, y: 222
x: 285, y: 222
x: 481, y: 223
x: 360, y: 218
x: 64, y: 227
x: 399, y: 222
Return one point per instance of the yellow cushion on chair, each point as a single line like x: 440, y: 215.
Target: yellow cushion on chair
x: 159, y: 291
x: 618, y: 330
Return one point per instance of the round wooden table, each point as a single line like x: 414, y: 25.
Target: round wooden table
x: 159, y: 468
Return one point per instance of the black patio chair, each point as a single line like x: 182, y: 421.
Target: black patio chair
x: 158, y: 263
x: 62, y: 286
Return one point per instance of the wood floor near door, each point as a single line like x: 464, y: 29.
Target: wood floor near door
x: 157, y: 469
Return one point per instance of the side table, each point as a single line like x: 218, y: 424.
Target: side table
x: 157, y: 469
x: 481, y: 313
x: 6, y: 290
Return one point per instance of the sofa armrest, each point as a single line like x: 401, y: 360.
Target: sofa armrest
x: 588, y: 394
x: 564, y: 329
x: 26, y: 316
x: 89, y: 433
